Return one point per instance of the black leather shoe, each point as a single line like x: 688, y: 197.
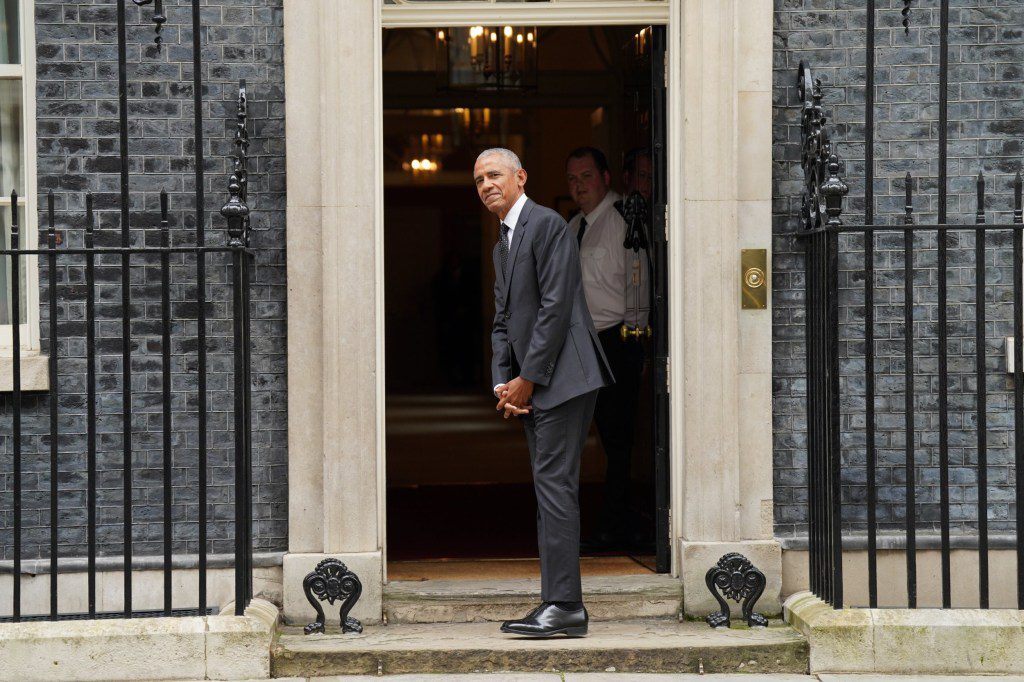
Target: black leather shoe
x: 547, y: 620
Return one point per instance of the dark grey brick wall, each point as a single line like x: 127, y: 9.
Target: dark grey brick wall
x: 986, y: 132
x: 77, y: 151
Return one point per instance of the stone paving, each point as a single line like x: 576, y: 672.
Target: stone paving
x: 651, y: 677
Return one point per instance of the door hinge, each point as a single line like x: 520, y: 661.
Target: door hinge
x: 666, y: 222
x: 664, y: 68
x: 668, y: 375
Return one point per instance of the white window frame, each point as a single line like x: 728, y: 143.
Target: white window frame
x: 27, y: 219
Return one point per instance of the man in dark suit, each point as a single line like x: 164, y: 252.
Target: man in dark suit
x: 547, y: 367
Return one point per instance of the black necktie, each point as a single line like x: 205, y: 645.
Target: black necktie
x: 579, y: 234
x: 504, y: 249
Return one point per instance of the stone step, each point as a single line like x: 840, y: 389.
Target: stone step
x: 468, y: 601
x: 638, y: 646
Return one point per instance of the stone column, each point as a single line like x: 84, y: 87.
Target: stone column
x: 725, y: 383
x: 330, y: 72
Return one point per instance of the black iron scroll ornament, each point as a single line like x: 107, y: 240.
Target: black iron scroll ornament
x: 906, y: 16
x: 823, y: 188
x: 237, y: 209
x: 332, y: 581
x: 739, y: 580
x: 159, y: 18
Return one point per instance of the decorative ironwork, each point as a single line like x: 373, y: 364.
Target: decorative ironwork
x: 823, y: 188
x: 906, y: 16
x: 97, y: 450
x: 236, y: 211
x: 635, y: 212
x: 331, y: 580
x: 826, y: 468
x: 159, y: 18
x: 739, y: 580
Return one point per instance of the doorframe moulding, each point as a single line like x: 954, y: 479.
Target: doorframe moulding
x: 432, y: 14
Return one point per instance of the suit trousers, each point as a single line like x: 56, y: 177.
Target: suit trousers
x: 615, y: 416
x: 555, y: 438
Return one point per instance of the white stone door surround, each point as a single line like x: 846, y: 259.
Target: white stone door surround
x: 720, y: 56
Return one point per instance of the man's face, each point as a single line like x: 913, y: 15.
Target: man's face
x: 640, y: 179
x: 498, y: 185
x: 587, y: 185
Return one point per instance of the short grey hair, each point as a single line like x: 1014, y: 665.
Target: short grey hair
x: 507, y: 155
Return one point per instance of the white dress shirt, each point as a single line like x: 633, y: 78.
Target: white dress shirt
x: 615, y: 279
x: 512, y: 217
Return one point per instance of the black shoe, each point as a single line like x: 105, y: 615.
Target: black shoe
x: 547, y: 620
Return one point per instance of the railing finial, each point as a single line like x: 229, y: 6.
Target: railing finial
x: 237, y: 210
x: 824, y: 189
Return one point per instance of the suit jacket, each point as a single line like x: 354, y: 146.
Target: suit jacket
x: 542, y: 328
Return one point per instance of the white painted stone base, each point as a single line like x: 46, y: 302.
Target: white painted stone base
x: 697, y: 557
x: 223, y: 647
x: 905, y: 641
x: 367, y: 565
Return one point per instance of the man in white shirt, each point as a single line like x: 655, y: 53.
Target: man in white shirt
x: 615, y: 284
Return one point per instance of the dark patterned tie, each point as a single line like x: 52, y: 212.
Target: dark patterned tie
x: 583, y: 228
x: 504, y: 250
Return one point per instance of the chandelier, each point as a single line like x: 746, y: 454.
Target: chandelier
x: 487, y: 58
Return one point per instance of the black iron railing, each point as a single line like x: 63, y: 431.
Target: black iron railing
x: 897, y: 253
x: 195, y: 258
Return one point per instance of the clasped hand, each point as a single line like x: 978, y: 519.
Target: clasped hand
x: 514, y: 397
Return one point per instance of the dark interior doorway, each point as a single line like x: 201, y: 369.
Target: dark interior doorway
x: 458, y: 476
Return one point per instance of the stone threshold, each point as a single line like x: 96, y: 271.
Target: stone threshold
x: 465, y: 601
x: 636, y: 646
x: 908, y: 641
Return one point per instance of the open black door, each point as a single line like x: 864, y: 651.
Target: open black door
x: 646, y: 129
x: 659, y: 308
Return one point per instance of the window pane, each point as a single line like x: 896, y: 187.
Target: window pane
x: 11, y: 143
x: 10, y: 40
x: 7, y: 269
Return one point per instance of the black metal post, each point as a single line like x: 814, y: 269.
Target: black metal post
x: 908, y: 377
x: 165, y: 310
x: 16, y: 399
x: 54, y: 396
x: 869, y: 303
x: 236, y: 211
x: 90, y: 398
x: 1018, y: 378
x: 942, y: 264
x: 197, y: 92
x: 979, y: 342
x: 126, y: 350
x: 834, y: 426
x: 869, y: 421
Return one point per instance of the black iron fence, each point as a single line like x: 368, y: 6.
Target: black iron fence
x: 916, y: 259
x: 106, y: 268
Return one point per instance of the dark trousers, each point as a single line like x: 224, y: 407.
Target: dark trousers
x: 615, y: 415
x: 556, y: 438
